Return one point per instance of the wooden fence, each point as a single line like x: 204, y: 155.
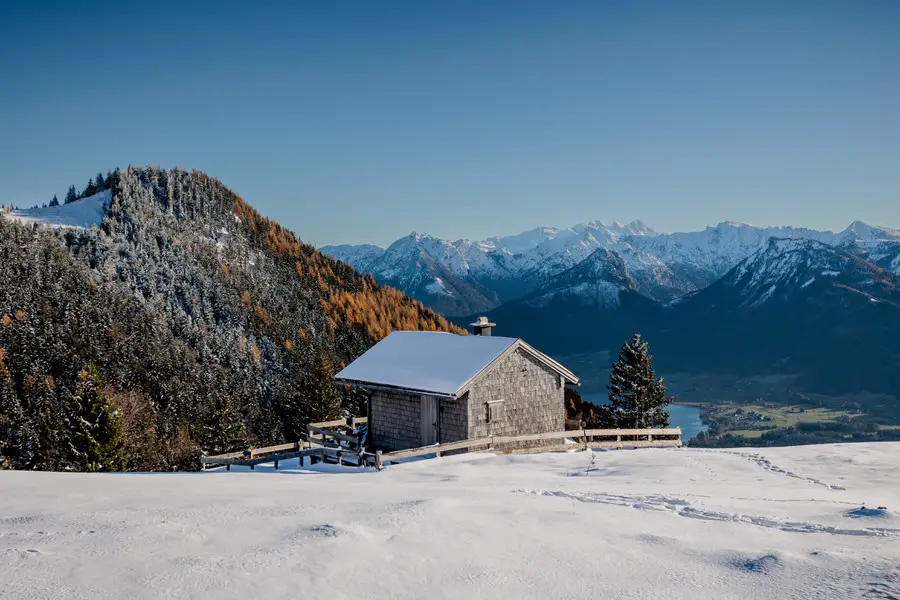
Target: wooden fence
x: 321, y: 445
x: 341, y: 448
x: 274, y: 454
x: 589, y: 438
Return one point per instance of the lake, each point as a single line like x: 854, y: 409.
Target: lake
x: 686, y: 417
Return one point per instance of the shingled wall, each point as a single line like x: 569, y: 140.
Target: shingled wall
x: 532, y: 398
x: 395, y: 420
x: 454, y: 420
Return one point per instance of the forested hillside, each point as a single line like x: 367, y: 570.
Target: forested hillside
x: 184, y: 323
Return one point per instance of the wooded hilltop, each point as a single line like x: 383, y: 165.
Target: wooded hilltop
x: 185, y: 323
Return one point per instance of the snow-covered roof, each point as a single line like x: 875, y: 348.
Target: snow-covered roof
x: 433, y: 363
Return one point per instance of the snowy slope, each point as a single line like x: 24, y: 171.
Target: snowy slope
x: 597, y: 281
x: 885, y: 254
x: 428, y: 269
x: 784, y: 267
x: 637, y: 524
x: 85, y: 212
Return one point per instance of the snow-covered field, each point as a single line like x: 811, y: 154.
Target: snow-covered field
x: 653, y: 523
x: 85, y: 212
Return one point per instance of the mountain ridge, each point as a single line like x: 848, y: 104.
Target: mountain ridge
x: 663, y: 265
x: 817, y: 314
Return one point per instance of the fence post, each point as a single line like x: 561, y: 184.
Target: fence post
x: 276, y: 464
x: 438, y: 451
x: 378, y: 464
x: 649, y: 437
x: 584, y: 439
x: 340, y: 456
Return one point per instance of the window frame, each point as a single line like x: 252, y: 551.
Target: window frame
x: 494, y: 411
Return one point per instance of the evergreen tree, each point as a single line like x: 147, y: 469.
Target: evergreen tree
x: 55, y: 201
x: 637, y: 399
x: 90, y: 189
x: 71, y: 195
x: 221, y: 428
x: 99, y: 182
x: 98, y: 440
x: 318, y: 386
x: 17, y: 443
x: 293, y: 409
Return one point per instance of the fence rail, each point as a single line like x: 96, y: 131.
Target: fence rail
x: 324, y: 433
x: 654, y: 438
x: 351, y: 422
x: 321, y: 445
x: 324, y: 445
x: 336, y: 455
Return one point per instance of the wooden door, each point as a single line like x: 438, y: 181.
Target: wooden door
x: 429, y: 420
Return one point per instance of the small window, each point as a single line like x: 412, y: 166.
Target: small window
x: 493, y: 411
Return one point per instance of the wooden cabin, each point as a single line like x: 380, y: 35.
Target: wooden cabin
x: 427, y: 387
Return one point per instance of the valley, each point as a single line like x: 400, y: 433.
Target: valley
x: 741, y: 410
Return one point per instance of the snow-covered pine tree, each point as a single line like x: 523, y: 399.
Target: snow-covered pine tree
x: 318, y: 385
x: 637, y: 399
x: 98, y: 440
x: 90, y: 189
x: 17, y: 441
x: 221, y: 429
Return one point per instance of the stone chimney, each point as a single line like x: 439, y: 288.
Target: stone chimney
x: 482, y: 326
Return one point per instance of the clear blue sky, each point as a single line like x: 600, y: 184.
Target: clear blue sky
x: 356, y: 122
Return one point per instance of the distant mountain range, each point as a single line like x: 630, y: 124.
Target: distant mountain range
x: 794, y: 307
x: 821, y: 309
x: 464, y: 277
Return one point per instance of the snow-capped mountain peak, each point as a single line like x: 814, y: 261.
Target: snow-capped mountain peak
x: 861, y: 233
x: 662, y: 265
x: 787, y: 266
x: 597, y: 280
